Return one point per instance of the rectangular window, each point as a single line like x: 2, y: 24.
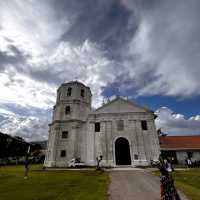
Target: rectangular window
x: 69, y: 91
x: 97, y: 127
x: 67, y: 110
x: 62, y: 153
x: 135, y: 157
x: 120, y: 125
x: 82, y: 92
x: 65, y: 134
x: 144, y: 125
x: 189, y: 154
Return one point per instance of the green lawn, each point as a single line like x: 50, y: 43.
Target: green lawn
x: 188, y: 181
x: 52, y: 185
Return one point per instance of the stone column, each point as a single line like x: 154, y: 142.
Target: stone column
x: 109, y: 144
x: 90, y: 143
x: 134, y: 140
x: 155, y: 139
x: 106, y: 143
x: 55, y: 138
x: 140, y: 141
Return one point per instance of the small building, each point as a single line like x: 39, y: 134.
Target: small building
x: 180, y: 147
x: 120, y: 132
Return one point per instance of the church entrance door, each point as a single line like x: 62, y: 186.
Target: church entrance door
x: 122, y: 152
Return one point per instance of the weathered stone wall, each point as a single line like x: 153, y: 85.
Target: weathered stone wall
x: 142, y: 143
x: 181, y: 155
x: 84, y: 143
x: 73, y: 122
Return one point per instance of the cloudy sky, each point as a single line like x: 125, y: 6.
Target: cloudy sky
x: 148, y: 50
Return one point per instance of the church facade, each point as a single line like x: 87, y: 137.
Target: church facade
x: 120, y: 131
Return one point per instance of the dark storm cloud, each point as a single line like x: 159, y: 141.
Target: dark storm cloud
x: 165, y: 48
x: 13, y: 56
x: 103, y: 22
x: 26, y: 110
x: 131, y: 47
x: 109, y: 23
x: 18, y: 60
x: 46, y: 75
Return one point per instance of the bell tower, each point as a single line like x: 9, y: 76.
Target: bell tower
x: 73, y: 102
x: 67, y: 131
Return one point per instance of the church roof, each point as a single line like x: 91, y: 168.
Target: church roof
x: 179, y: 142
x: 120, y: 104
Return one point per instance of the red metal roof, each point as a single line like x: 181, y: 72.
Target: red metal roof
x: 179, y: 142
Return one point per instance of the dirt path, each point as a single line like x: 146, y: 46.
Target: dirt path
x: 134, y: 185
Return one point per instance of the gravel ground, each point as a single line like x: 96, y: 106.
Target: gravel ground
x: 134, y: 185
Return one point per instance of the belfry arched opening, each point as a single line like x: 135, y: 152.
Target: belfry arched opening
x: 122, y: 152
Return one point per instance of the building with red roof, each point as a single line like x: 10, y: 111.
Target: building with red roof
x: 181, y: 147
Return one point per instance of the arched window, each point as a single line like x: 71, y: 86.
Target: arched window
x: 82, y: 92
x: 67, y: 110
x: 69, y: 91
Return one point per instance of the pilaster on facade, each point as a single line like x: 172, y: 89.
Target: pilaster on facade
x: 85, y: 143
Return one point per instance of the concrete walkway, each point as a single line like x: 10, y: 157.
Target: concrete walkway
x: 134, y: 185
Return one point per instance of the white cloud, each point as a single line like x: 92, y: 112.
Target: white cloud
x: 30, y: 128
x: 165, y: 52
x: 162, y: 58
x: 6, y: 112
x: 196, y: 118
x: 33, y: 27
x: 176, y: 124
x: 20, y: 89
x: 87, y: 63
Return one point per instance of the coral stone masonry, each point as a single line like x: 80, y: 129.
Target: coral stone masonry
x: 120, y: 131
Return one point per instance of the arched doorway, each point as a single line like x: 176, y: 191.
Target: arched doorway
x: 122, y: 152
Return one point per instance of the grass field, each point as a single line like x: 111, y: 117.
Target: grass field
x: 188, y: 181
x: 52, y: 185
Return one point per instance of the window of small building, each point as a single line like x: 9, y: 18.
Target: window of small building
x: 135, y: 157
x: 144, y: 125
x: 65, y: 134
x: 82, y: 92
x: 120, y: 125
x: 97, y: 127
x: 189, y: 154
x: 62, y: 153
x: 67, y: 110
x: 69, y: 91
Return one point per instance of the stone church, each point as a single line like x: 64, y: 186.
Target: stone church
x: 120, y: 131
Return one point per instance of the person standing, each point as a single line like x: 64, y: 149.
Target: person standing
x: 26, y: 165
x: 167, y: 188
x: 189, y: 162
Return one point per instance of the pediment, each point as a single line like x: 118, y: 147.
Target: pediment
x: 120, y: 105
